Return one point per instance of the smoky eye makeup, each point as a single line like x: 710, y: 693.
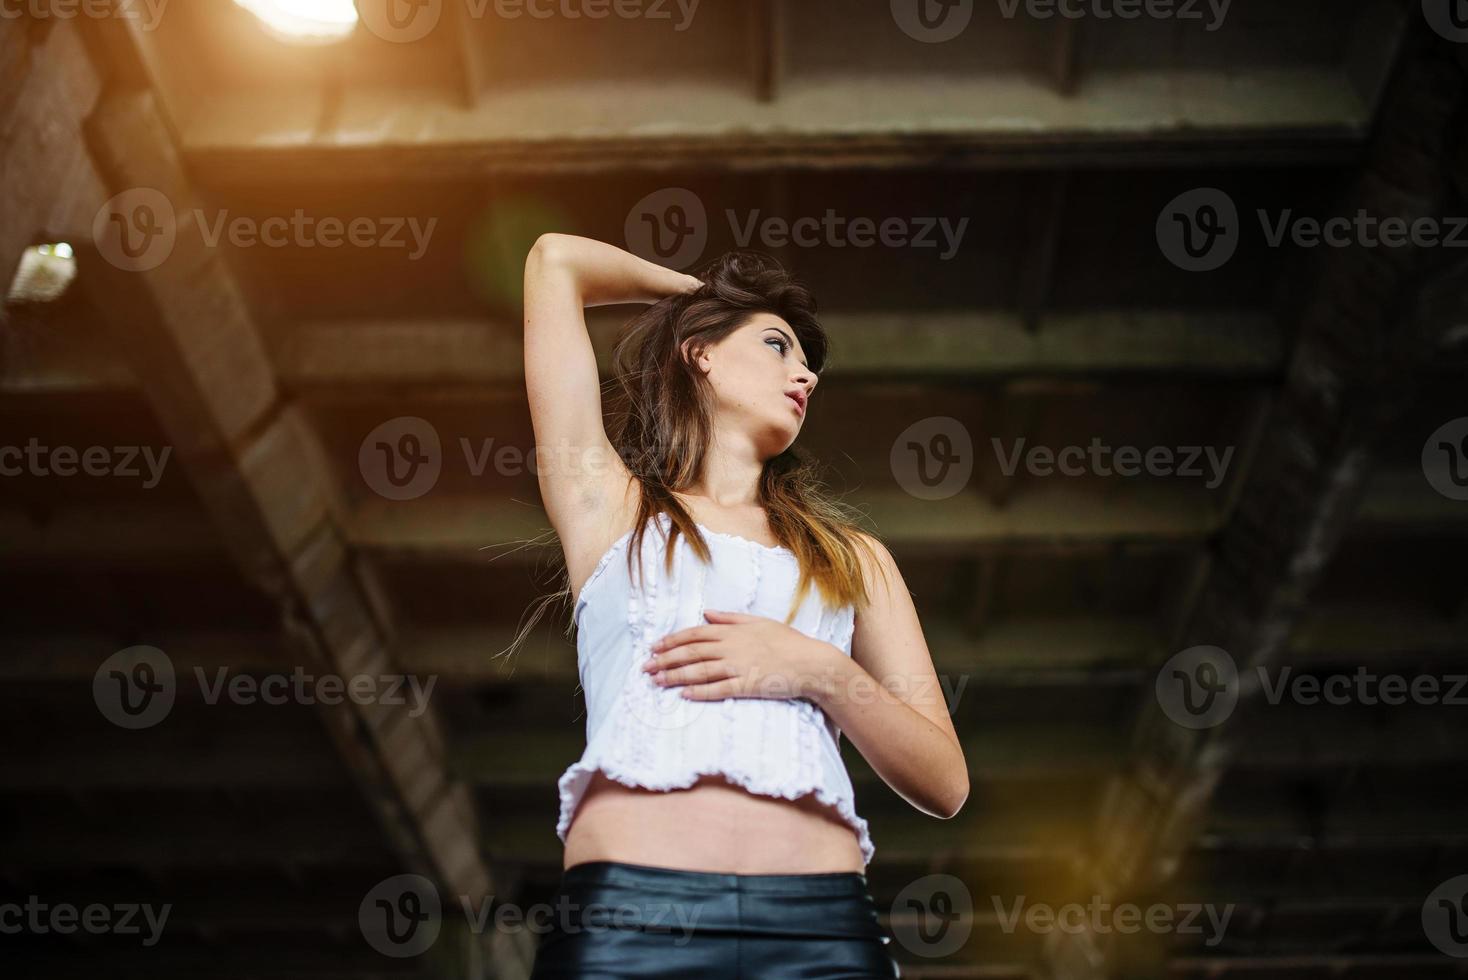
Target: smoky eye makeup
x: 785, y: 345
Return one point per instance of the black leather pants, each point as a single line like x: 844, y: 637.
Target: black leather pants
x: 617, y: 921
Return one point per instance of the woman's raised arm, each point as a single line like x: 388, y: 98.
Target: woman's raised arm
x: 578, y: 471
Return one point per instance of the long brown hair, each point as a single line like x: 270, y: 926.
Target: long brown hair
x: 661, y: 415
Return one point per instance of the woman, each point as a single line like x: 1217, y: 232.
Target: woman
x: 732, y: 621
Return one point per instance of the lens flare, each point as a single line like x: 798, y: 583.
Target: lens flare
x: 305, y: 21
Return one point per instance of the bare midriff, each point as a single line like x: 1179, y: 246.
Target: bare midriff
x: 713, y: 825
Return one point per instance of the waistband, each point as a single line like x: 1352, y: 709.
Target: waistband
x: 618, y: 894
x: 820, y: 883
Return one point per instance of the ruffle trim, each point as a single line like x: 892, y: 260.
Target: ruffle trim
x: 573, y: 782
x: 777, y: 550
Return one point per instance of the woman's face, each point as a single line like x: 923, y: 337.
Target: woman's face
x: 754, y: 371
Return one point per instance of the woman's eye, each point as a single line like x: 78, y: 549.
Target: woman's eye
x: 779, y: 343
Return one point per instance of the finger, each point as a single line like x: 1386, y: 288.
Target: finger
x: 689, y: 635
x: 724, y: 616
x: 704, y: 672
x: 686, y: 654
x: 717, y: 691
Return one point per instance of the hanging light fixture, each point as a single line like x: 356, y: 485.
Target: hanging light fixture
x: 304, y: 21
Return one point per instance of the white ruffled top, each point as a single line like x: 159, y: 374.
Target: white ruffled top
x: 643, y: 735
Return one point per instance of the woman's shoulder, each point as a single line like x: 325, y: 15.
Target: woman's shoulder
x: 875, y: 558
x: 874, y: 548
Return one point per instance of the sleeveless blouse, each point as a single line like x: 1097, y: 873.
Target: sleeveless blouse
x: 643, y: 735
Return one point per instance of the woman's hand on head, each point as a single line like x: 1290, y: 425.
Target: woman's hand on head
x: 738, y: 655
x: 684, y: 284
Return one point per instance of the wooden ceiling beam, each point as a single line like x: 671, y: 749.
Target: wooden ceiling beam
x: 466, y: 36
x: 1044, y: 518
x: 1254, y: 116
x: 767, y: 47
x: 1015, y: 652
x: 896, y: 346
x: 474, y: 356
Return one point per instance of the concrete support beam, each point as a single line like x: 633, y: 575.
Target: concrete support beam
x: 260, y: 472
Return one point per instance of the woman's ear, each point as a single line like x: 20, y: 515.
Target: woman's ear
x: 694, y: 355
